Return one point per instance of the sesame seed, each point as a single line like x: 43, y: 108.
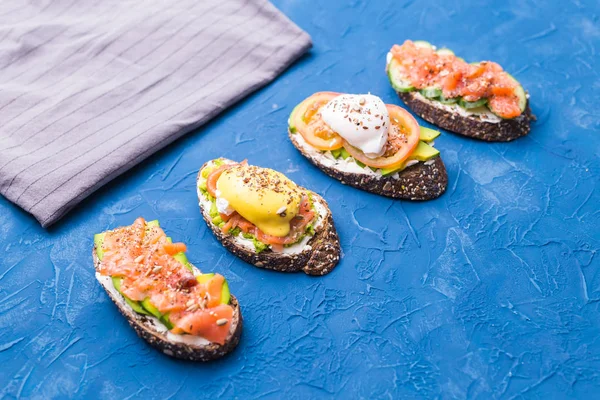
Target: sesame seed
x: 222, y: 321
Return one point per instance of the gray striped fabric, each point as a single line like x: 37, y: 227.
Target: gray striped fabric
x: 89, y: 88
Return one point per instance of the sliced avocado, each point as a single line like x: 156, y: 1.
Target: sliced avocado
x: 117, y: 283
x: 133, y: 304
x: 151, y: 224
x: 291, y: 125
x: 166, y: 321
x: 390, y: 171
x: 217, y: 220
x: 336, y: 153
x: 344, y: 153
x: 445, y: 52
x: 182, y: 258
x: 98, y: 242
x: 204, y: 278
x: 225, y: 294
x: 213, y: 212
x: 423, y: 44
x: 363, y: 165
x: 427, y: 134
x: 424, y: 152
x: 150, y: 308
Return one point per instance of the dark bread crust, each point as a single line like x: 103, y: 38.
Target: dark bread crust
x: 417, y: 182
x: 320, y: 259
x: 504, y: 131
x: 142, y: 326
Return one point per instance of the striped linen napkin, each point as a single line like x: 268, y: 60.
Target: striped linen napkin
x: 89, y: 88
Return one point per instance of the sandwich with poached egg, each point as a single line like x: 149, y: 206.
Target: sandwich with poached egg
x: 266, y: 219
x: 370, y: 145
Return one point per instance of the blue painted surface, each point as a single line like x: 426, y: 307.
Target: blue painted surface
x: 491, y: 291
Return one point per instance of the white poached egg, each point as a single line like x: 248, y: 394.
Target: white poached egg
x: 361, y: 119
x: 223, y: 206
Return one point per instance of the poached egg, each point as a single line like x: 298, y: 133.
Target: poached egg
x: 265, y: 197
x: 361, y: 119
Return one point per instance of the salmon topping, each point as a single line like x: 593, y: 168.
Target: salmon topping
x: 143, y: 257
x: 424, y: 67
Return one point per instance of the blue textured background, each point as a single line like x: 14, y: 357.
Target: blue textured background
x: 490, y: 291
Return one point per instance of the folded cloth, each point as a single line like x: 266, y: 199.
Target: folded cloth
x: 89, y: 88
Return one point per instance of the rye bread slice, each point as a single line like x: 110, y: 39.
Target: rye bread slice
x: 471, y: 126
x: 421, y: 181
x: 318, y: 257
x: 146, y: 328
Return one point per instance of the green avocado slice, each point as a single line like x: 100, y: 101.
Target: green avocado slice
x: 291, y: 125
x: 98, y: 242
x: 204, y: 278
x: 423, y: 152
x: 225, y: 294
x: 445, y: 52
x: 150, y: 308
x: 134, y: 304
x: 423, y: 44
x: 182, y: 258
x: 344, y: 153
x: 336, y: 153
x: 427, y: 134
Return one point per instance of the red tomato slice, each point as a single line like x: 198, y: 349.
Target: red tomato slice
x: 311, y: 127
x: 403, y: 138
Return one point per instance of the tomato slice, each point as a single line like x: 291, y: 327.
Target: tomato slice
x: 306, y: 120
x: 403, y: 138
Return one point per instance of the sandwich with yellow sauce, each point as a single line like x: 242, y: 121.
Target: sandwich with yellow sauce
x: 266, y: 219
